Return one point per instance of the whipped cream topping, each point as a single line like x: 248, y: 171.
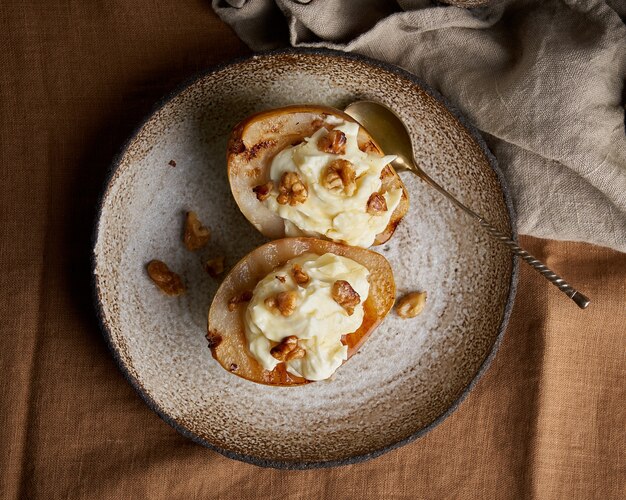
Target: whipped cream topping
x: 318, y: 321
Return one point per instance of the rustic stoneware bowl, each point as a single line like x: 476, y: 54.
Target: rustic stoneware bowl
x: 407, y: 377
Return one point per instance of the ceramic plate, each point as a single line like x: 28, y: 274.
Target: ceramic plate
x: 407, y: 377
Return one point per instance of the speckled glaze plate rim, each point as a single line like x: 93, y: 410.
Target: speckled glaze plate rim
x: 100, y: 310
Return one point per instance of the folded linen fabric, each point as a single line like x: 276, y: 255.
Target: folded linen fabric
x: 542, y: 79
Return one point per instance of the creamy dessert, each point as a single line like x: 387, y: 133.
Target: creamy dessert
x: 314, y: 171
x: 326, y: 186
x: 294, y: 310
x: 311, y: 300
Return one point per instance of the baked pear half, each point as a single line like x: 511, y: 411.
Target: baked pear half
x: 313, y: 171
x: 295, y: 309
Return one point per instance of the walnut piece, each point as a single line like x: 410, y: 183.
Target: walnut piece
x: 168, y: 281
x: 283, y: 302
x: 376, y: 204
x: 196, y: 235
x: 288, y: 349
x: 368, y: 147
x: 299, y: 275
x: 340, y: 175
x: 321, y: 122
x: 346, y: 296
x: 386, y: 172
x: 263, y: 191
x: 291, y: 189
x: 215, y: 266
x: 239, y: 299
x: 411, y: 304
x: 334, y: 142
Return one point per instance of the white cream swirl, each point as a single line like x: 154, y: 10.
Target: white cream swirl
x: 318, y: 321
x: 326, y: 212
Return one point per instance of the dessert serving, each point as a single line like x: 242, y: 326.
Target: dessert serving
x: 313, y: 171
x: 308, y: 304
x: 411, y: 371
x: 293, y: 310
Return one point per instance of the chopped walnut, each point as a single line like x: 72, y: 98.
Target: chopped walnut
x: 239, y: 299
x: 340, y: 175
x: 376, y: 204
x: 196, y: 235
x: 168, y: 281
x: 411, y: 304
x: 291, y: 189
x: 334, y: 142
x: 317, y: 123
x: 288, y: 349
x: 283, y: 302
x: 299, y: 275
x: 215, y: 266
x: 321, y: 122
x: 263, y: 191
x: 386, y: 172
x: 346, y: 296
x: 368, y: 147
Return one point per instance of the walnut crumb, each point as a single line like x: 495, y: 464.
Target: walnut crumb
x: 283, y: 302
x: 386, y: 172
x: 334, y: 142
x: 411, y: 304
x: 239, y: 299
x: 368, y: 147
x: 346, y: 296
x: 215, y: 266
x: 299, y: 275
x: 340, y: 175
x: 376, y: 204
x: 263, y: 191
x: 318, y: 123
x: 195, y: 236
x: 168, y: 281
x: 288, y: 349
x: 291, y: 189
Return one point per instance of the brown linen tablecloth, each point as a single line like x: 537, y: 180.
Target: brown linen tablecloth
x: 546, y: 421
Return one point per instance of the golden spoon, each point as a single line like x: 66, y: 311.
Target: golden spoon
x: 393, y: 137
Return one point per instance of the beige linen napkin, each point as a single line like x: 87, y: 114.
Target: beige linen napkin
x: 542, y: 79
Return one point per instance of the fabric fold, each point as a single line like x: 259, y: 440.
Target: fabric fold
x: 544, y: 79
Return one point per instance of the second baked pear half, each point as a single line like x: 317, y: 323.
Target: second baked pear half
x: 294, y: 310
x: 314, y: 171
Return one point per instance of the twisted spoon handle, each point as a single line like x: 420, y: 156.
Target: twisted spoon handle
x: 581, y: 300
